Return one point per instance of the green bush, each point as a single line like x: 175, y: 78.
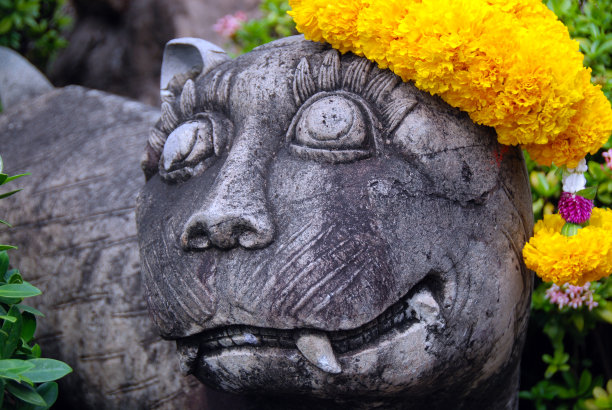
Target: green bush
x: 26, y: 379
x: 33, y: 28
x: 590, y: 22
x: 573, y: 343
x: 273, y: 24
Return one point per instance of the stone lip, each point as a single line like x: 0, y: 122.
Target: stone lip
x: 419, y: 305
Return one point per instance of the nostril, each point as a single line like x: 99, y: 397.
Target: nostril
x: 195, y: 235
x: 259, y: 233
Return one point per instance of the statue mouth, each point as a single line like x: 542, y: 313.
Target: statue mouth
x: 320, y: 348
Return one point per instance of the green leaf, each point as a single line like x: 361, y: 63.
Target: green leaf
x: 5, y: 223
x: 5, y: 25
x: 36, y: 352
x: 3, y: 178
x: 19, y: 290
x: 30, y: 309
x: 7, y: 194
x: 48, y: 392
x: 14, y: 368
x: 585, y: 382
x: 7, y: 247
x: 14, y: 177
x: 588, y: 193
x: 11, y: 334
x: 605, y: 47
x: 2, y: 386
x: 4, y: 263
x: 25, y: 393
x: 578, y: 322
x: 595, y: 171
x: 46, y: 370
x: 9, y: 318
x: 550, y: 371
x: 9, y: 301
x: 29, y: 326
x: 599, y: 392
x: 13, y: 277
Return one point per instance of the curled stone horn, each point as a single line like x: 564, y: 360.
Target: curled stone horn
x: 184, y: 59
x: 188, y: 55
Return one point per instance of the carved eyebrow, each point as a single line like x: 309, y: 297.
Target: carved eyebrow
x: 216, y: 89
x: 361, y: 77
x: 177, y: 108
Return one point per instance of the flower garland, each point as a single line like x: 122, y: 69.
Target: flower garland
x: 583, y: 257
x: 511, y: 65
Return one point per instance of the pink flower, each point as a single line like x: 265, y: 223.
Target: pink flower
x: 571, y: 296
x: 608, y: 157
x: 557, y: 296
x: 229, y: 24
x: 574, y: 208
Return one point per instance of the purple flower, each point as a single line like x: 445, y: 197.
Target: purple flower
x: 574, y: 208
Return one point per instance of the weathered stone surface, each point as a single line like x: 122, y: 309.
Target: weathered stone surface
x: 75, y: 227
x: 19, y: 80
x: 310, y: 200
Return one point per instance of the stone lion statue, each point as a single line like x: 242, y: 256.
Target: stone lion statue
x: 315, y: 232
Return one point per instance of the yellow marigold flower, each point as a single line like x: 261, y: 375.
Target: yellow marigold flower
x: 584, y: 257
x: 510, y: 64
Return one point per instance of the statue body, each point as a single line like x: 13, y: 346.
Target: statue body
x: 312, y: 227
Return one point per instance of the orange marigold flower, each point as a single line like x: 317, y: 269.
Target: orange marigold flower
x: 584, y: 257
x: 510, y: 64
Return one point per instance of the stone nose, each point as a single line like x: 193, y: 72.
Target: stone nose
x: 217, y: 225
x: 235, y: 211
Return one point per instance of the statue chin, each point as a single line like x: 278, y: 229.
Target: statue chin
x: 312, y: 226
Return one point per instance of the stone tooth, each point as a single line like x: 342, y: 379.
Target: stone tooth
x: 245, y: 339
x: 188, y: 354
x: 316, y: 348
x: 398, y: 319
x: 226, y: 342
x: 425, y: 307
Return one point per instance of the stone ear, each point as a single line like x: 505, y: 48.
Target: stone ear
x: 186, y: 58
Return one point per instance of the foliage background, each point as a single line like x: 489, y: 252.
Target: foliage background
x: 33, y: 28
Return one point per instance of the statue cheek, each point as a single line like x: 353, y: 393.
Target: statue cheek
x: 179, y: 289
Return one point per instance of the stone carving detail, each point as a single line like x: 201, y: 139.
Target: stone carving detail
x: 313, y: 226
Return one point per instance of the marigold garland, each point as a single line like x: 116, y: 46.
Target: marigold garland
x: 510, y: 64
x: 584, y: 257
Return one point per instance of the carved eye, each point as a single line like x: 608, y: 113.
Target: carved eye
x: 332, y: 127
x: 190, y: 147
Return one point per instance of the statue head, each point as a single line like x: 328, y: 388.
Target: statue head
x: 312, y: 225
